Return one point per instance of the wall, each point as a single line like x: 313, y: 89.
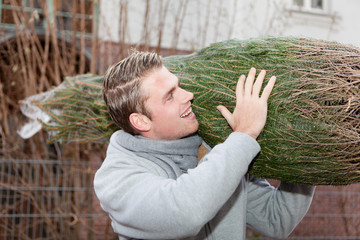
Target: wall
x: 191, y: 25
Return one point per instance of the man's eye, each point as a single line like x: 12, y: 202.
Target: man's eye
x: 171, y: 96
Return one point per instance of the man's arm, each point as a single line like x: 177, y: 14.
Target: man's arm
x: 273, y: 212
x: 276, y: 212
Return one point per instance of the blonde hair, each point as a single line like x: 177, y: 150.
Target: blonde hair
x: 121, y: 87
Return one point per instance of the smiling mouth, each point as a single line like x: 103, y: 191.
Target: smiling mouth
x: 187, y: 113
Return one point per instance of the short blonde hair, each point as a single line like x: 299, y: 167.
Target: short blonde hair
x: 122, y: 87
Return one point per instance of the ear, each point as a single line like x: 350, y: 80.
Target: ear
x: 140, y: 122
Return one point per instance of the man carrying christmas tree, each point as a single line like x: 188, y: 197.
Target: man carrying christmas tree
x: 151, y: 183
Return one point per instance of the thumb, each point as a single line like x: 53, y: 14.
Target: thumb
x: 226, y: 114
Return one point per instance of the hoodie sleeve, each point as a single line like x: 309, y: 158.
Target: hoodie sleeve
x: 275, y: 212
x: 143, y: 204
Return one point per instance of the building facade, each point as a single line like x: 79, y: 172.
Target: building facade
x: 191, y: 25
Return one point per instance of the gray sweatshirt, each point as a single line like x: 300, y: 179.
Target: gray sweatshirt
x: 214, y: 200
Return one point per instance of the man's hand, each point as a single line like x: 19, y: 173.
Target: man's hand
x: 250, y: 112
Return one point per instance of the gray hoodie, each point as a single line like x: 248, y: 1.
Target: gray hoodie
x: 214, y: 200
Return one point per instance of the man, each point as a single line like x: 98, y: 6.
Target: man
x: 151, y: 183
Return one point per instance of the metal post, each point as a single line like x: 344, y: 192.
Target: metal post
x: 96, y: 17
x: 1, y: 2
x: 51, y: 11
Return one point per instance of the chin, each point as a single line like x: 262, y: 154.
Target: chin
x: 189, y: 135
x: 193, y: 132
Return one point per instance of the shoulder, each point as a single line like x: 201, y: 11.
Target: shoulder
x: 120, y: 160
x: 120, y: 171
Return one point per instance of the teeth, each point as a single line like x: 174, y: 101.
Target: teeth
x: 187, y: 113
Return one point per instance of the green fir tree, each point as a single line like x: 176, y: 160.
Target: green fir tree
x: 312, y: 135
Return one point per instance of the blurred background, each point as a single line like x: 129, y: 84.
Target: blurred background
x: 46, y: 189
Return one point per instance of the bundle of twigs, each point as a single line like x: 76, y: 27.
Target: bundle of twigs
x: 312, y: 135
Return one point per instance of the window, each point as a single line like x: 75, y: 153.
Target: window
x: 298, y: 3
x: 315, y: 6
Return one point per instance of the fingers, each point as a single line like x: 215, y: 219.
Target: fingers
x: 226, y: 114
x: 267, y: 90
x: 250, y: 82
x: 258, y: 83
x: 240, y: 87
x: 254, y: 89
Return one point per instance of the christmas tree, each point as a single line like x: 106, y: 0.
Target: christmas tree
x: 312, y: 134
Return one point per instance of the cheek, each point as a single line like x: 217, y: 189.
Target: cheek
x: 165, y: 114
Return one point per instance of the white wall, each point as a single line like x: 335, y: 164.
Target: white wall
x: 208, y: 21
x: 340, y: 23
x: 109, y: 20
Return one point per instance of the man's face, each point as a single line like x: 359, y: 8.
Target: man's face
x: 169, y: 106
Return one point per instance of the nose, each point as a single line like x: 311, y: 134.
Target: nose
x: 187, y: 96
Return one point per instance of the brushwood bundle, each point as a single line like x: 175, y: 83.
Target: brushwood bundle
x: 312, y: 135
